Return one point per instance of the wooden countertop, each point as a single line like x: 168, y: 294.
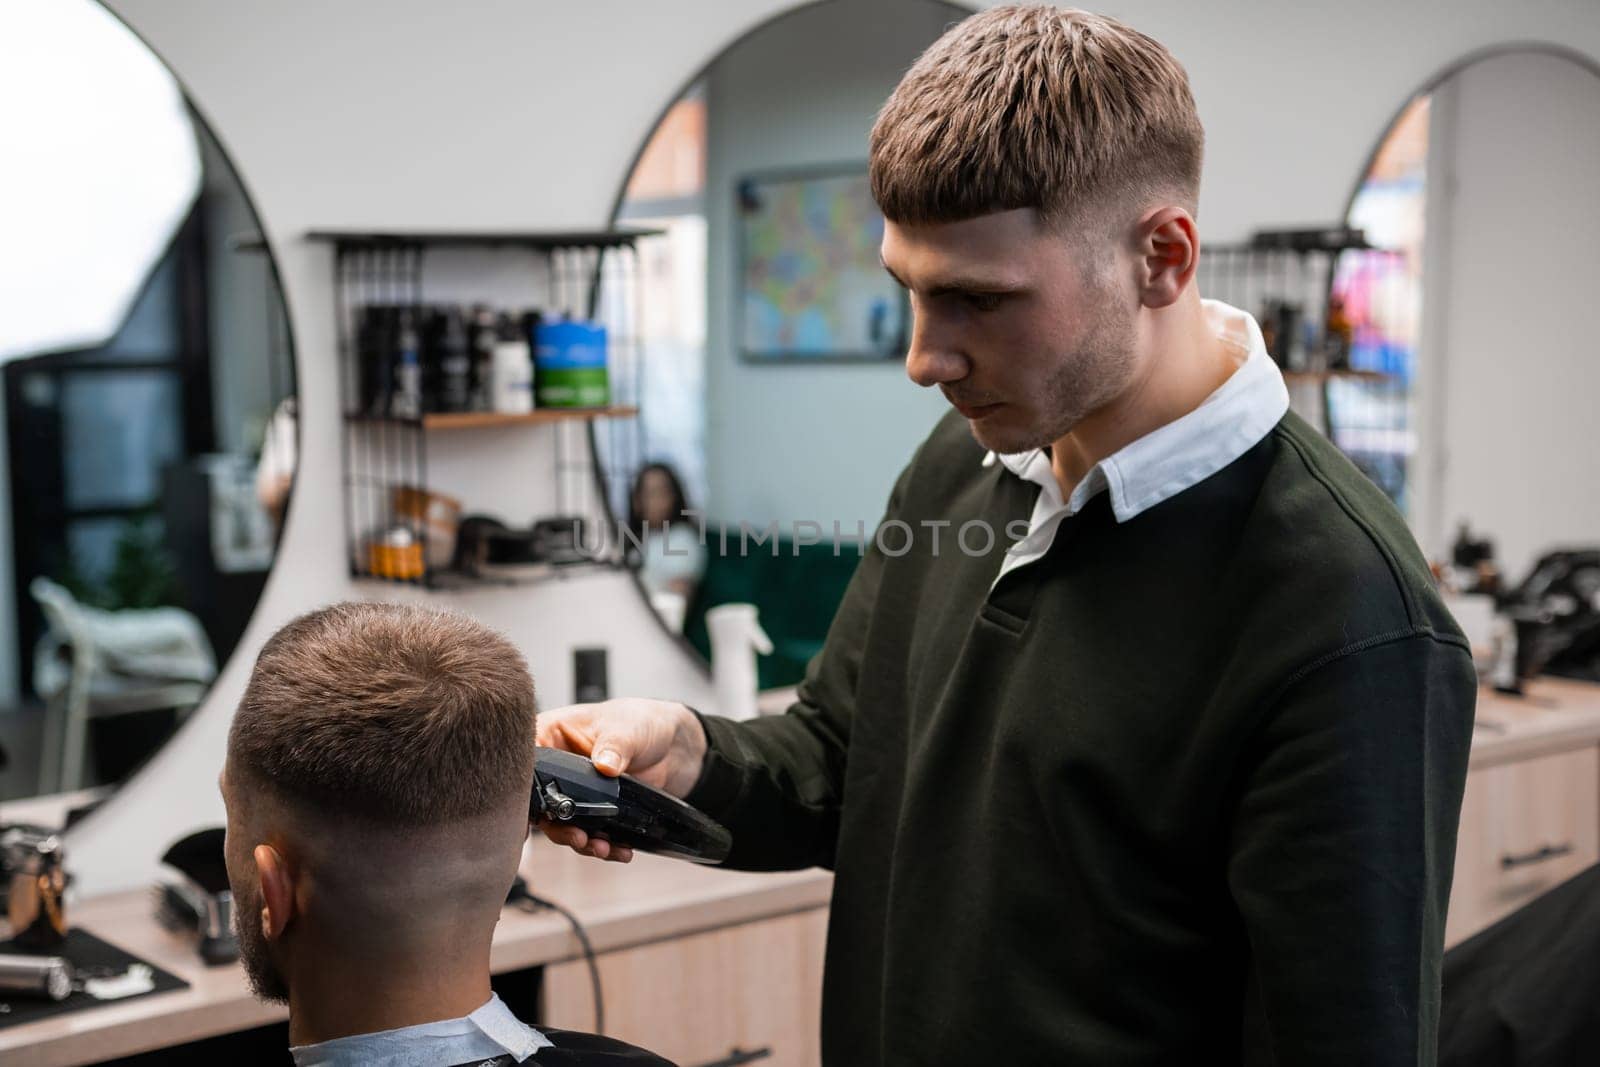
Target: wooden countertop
x: 1555, y: 714
x: 620, y: 906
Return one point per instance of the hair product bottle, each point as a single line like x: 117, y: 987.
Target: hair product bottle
x: 455, y: 362
x: 570, y: 365
x: 406, y: 403
x: 512, y: 374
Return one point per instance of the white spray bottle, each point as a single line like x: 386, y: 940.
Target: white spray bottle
x: 736, y: 637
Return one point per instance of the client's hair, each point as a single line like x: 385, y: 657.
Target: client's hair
x: 403, y: 715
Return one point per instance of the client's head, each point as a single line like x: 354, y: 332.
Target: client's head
x: 377, y: 786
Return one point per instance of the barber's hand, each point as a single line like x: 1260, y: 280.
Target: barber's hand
x: 659, y: 742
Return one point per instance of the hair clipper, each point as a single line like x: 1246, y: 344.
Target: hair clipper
x: 568, y: 790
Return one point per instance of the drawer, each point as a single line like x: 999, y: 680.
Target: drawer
x: 694, y: 999
x: 1525, y: 828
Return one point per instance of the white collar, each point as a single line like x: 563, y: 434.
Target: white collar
x: 1187, y: 450
x: 489, y: 1032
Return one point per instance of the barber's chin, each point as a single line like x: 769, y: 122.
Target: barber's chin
x: 998, y: 434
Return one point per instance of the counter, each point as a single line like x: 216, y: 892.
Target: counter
x: 1555, y: 714
x: 621, y: 906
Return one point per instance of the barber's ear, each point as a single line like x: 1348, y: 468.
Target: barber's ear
x: 277, y: 892
x: 1169, y: 247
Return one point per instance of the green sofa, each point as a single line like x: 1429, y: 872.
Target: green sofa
x: 796, y: 590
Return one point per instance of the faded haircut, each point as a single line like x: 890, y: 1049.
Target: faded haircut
x: 392, y: 713
x: 1063, y: 111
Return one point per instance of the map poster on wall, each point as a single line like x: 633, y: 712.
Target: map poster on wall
x: 810, y: 284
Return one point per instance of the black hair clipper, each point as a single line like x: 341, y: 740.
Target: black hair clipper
x: 568, y: 790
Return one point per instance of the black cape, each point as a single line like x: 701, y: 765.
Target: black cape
x: 579, y: 1050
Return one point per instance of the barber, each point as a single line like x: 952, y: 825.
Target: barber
x: 1173, y: 777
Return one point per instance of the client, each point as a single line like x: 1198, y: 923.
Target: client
x: 377, y: 783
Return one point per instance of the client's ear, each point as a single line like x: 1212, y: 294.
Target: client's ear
x: 277, y: 892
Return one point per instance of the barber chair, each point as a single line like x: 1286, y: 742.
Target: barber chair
x: 1526, y: 991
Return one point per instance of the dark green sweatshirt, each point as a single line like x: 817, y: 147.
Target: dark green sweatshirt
x: 1183, y: 791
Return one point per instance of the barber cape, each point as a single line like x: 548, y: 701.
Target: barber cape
x: 579, y: 1050
x: 490, y: 1035
x: 568, y: 1049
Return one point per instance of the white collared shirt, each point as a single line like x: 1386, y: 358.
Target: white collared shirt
x: 1170, y: 458
x: 489, y: 1032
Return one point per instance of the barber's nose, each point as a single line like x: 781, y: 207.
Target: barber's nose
x: 931, y: 359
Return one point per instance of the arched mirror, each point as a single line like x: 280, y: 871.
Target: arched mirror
x: 774, y: 399
x: 149, y: 435
x: 1486, y: 181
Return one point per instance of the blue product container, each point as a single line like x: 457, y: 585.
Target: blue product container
x: 569, y: 365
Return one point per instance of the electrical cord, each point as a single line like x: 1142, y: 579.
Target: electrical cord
x: 523, y: 898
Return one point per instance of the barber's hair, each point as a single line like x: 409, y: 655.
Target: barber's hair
x: 397, y: 714
x: 1062, y: 111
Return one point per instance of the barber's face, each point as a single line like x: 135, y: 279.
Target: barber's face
x: 1025, y: 329
x: 265, y: 977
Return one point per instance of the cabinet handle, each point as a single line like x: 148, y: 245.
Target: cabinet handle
x: 1538, y: 855
x: 737, y: 1056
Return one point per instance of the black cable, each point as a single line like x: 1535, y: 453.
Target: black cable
x: 528, y: 901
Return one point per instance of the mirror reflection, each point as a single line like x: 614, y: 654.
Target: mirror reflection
x: 765, y: 306
x: 149, y: 440
x: 1486, y: 180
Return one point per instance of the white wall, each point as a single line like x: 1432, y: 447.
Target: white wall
x: 1512, y: 367
x: 791, y: 442
x: 531, y: 113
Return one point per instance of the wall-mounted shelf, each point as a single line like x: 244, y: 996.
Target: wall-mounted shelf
x: 382, y: 283
x: 467, y: 420
x: 552, y: 573
x: 1328, y: 310
x: 1318, y: 377
x: 364, y: 240
x: 455, y: 581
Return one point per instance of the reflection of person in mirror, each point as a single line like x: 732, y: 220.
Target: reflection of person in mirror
x: 671, y: 557
x: 1174, y: 777
x: 275, y: 468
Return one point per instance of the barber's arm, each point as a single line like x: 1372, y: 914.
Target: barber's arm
x: 1342, y: 850
x: 775, y: 782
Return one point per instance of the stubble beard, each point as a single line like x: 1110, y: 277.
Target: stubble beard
x: 266, y: 981
x: 1097, y: 371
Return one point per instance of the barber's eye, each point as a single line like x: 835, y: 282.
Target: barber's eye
x: 982, y: 301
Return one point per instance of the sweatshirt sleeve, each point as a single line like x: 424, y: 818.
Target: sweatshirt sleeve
x: 776, y: 781
x: 1342, y: 851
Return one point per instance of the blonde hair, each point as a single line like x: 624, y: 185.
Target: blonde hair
x: 398, y: 714
x: 1036, y: 107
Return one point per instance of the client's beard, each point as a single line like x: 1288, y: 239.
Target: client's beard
x: 266, y: 981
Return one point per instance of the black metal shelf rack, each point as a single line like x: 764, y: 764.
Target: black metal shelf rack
x: 589, y: 274
x: 1287, y: 279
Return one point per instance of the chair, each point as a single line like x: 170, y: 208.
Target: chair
x: 1526, y: 991
x: 796, y: 589
x: 93, y: 663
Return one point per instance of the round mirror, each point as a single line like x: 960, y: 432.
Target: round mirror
x: 149, y: 426
x: 775, y: 407
x: 1485, y: 181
